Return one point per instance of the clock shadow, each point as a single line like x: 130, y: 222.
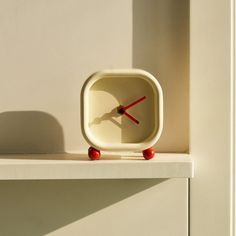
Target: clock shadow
x: 30, y: 132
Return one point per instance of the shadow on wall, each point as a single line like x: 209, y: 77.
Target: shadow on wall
x: 30, y: 132
x: 161, y: 46
x: 40, y: 207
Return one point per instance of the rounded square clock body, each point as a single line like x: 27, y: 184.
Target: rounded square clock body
x: 121, y: 110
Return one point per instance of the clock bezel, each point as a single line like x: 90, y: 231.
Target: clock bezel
x: 87, y: 133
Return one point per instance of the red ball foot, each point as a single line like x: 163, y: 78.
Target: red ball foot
x: 149, y: 153
x: 94, y: 154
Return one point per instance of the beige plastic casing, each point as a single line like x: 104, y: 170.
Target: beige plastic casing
x: 119, y: 146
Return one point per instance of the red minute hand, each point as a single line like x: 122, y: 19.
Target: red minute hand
x: 134, y: 103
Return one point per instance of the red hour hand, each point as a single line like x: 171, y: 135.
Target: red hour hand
x: 122, y: 109
x: 131, y: 117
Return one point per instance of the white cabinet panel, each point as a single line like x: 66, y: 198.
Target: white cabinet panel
x: 210, y: 117
x: 94, y: 207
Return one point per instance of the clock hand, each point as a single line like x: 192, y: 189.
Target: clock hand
x: 121, y: 111
x: 131, y: 117
x: 134, y: 103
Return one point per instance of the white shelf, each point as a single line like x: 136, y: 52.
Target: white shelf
x: 77, y: 166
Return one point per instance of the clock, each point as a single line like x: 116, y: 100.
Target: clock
x: 121, y: 110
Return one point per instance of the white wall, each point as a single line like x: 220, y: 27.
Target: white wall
x: 48, y: 49
x: 161, y: 46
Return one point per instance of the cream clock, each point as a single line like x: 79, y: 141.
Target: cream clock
x: 121, y: 110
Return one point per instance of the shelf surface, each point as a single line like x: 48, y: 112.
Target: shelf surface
x: 77, y: 166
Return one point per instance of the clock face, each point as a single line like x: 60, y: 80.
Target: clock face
x: 122, y: 110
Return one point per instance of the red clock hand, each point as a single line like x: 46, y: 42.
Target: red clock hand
x: 122, y: 109
x: 131, y: 117
x: 134, y: 103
